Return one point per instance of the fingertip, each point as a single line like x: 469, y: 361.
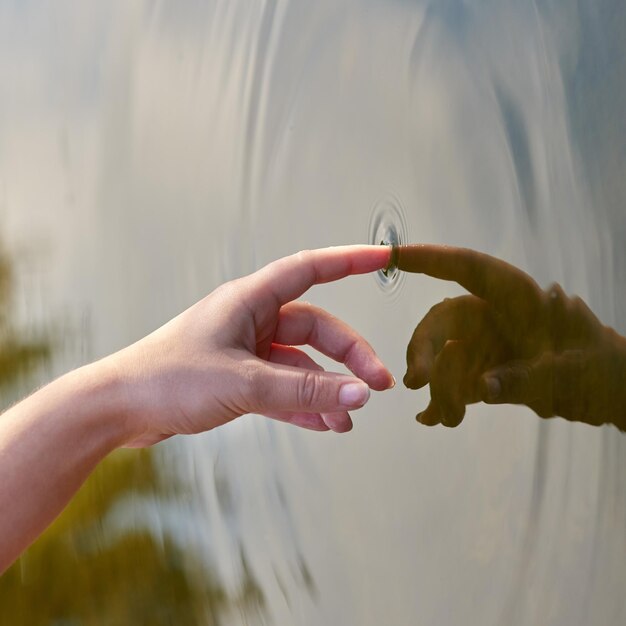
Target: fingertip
x: 309, y: 421
x: 417, y: 374
x: 390, y: 380
x: 382, y: 381
x: 452, y: 418
x: 490, y: 388
x: 338, y: 422
x: 410, y: 381
x: 451, y: 410
x: 414, y: 380
x: 425, y: 420
x: 429, y: 416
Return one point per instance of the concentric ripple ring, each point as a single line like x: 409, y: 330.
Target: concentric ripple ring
x: 388, y: 227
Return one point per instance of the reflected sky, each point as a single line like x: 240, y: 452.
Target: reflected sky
x: 151, y: 151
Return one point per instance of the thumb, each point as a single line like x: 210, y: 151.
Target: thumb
x: 521, y: 382
x: 286, y: 388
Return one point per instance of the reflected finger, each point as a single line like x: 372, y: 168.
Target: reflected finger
x: 456, y: 376
x: 465, y: 317
x: 451, y: 384
x: 430, y: 416
x: 571, y: 323
x: 508, y: 289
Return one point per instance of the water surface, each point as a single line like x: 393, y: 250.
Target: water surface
x: 150, y: 151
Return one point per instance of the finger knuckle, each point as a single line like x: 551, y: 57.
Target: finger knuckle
x: 253, y: 384
x: 440, y: 308
x: 309, y: 389
x: 519, y: 371
x: 303, y: 257
x: 305, y: 260
x: 558, y: 314
x: 555, y: 293
x: 304, y: 254
x: 515, y: 379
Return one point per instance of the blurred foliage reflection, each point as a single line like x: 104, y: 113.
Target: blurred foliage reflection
x: 19, y: 355
x: 80, y: 573
x: 85, y: 571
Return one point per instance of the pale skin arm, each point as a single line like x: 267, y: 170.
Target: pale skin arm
x: 230, y: 354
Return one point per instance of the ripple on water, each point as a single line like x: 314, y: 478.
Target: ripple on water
x: 388, y: 227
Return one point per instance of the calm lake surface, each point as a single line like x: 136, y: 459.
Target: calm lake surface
x: 151, y: 150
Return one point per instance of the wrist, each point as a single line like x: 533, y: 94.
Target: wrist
x: 128, y: 399
x: 617, y: 376
x: 104, y: 401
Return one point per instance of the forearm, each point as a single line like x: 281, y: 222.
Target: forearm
x: 49, y: 444
x: 616, y: 381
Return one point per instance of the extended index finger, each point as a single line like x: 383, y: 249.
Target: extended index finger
x: 508, y: 289
x: 288, y: 278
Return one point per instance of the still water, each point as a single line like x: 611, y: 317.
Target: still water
x: 151, y: 150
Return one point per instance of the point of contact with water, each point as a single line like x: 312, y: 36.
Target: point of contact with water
x: 388, y: 228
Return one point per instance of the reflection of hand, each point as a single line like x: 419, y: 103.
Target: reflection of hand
x: 232, y: 353
x: 510, y: 342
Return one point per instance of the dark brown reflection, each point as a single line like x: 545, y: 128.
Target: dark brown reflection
x: 509, y: 341
x: 81, y: 572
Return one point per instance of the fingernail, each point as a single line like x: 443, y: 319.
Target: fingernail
x: 418, y: 417
x: 393, y: 382
x: 494, y: 388
x: 354, y: 394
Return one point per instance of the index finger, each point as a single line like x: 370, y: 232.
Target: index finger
x: 288, y: 278
x: 508, y: 289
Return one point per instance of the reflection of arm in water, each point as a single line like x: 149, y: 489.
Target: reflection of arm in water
x: 510, y: 342
x: 232, y: 353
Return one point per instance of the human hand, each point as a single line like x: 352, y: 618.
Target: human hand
x: 510, y: 342
x: 233, y: 353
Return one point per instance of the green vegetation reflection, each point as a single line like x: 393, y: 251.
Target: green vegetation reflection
x: 80, y: 572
